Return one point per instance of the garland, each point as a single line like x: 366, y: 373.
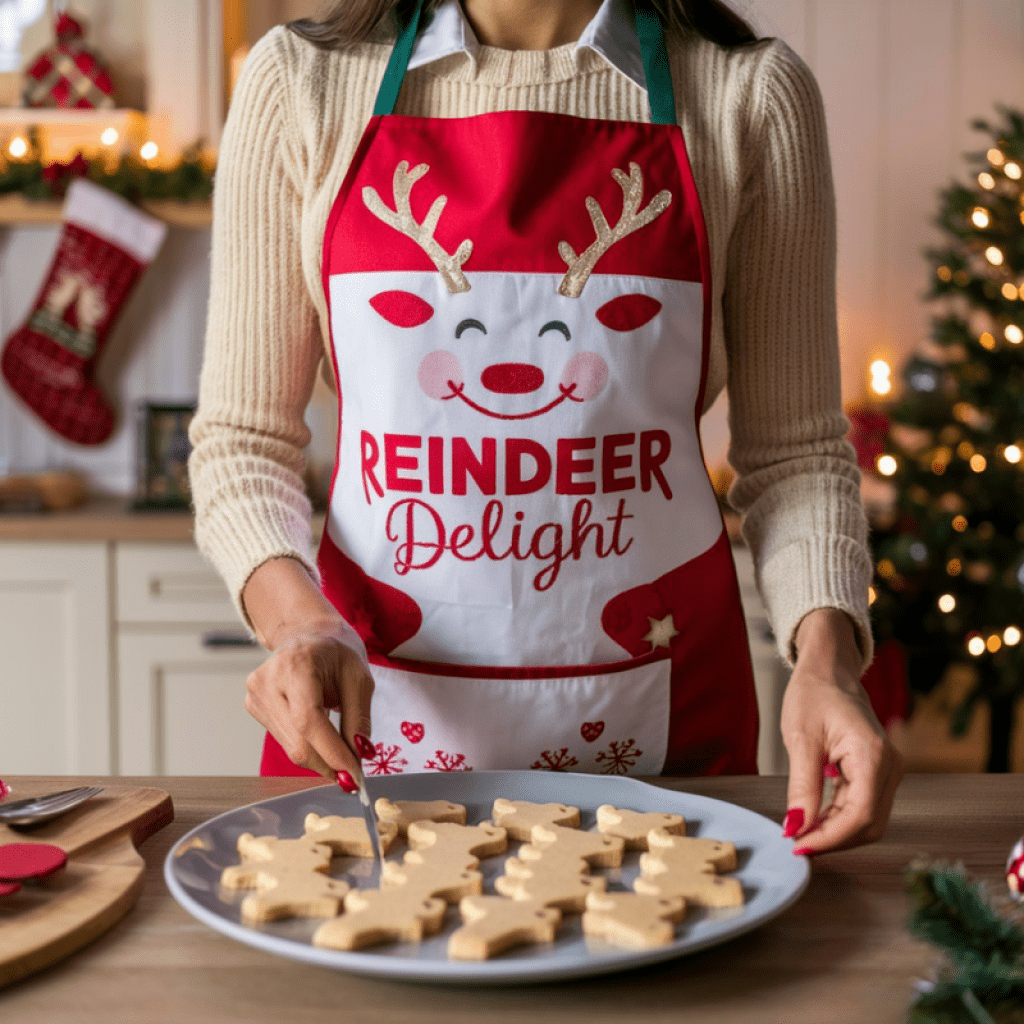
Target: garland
x: 191, y: 180
x: 981, y: 980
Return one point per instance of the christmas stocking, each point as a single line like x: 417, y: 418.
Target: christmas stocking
x: 104, y: 247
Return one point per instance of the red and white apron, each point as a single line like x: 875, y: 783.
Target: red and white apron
x: 521, y: 525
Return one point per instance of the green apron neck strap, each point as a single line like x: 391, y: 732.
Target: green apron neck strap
x: 391, y: 84
x: 655, y: 58
x: 648, y: 33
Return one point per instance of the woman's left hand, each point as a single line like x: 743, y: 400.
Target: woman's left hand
x: 827, y: 719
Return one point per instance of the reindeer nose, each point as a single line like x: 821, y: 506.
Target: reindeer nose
x: 512, y: 378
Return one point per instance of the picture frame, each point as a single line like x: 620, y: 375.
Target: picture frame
x: 162, y: 455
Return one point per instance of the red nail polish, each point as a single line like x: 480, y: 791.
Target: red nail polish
x: 346, y: 782
x: 364, y: 747
x: 804, y: 851
x: 793, y: 823
x: 831, y: 771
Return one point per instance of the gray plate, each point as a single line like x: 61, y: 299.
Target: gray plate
x: 772, y: 878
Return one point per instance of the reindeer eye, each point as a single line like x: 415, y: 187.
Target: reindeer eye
x: 555, y: 325
x: 464, y: 325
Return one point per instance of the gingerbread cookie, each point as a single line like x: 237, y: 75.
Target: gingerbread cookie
x: 402, y: 813
x: 449, y: 842
x: 632, y: 920
x: 633, y: 826
x: 494, y: 924
x: 694, y: 886
x: 518, y: 817
x: 449, y: 881
x: 373, y: 916
x: 289, y: 876
x: 594, y: 848
x: 567, y: 891
x: 348, y: 837
x: 684, y: 851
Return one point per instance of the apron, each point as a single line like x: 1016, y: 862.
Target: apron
x: 521, y: 525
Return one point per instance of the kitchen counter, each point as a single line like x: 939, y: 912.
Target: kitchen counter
x: 841, y: 954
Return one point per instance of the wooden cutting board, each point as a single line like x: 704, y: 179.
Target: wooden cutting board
x: 52, y: 917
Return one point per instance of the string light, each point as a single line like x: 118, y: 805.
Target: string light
x: 994, y: 643
x: 947, y: 603
x: 978, y: 463
x: 944, y: 274
x: 872, y: 595
x: 150, y: 150
x: 976, y: 646
x: 17, y: 147
x: 1009, y: 291
x: 886, y: 569
x: 965, y: 449
x: 886, y: 465
x: 1011, y: 636
x: 994, y: 255
x: 110, y: 136
x: 980, y: 217
x: 1012, y: 170
x: 987, y: 340
x: 985, y: 180
x: 1013, y: 334
x: 995, y: 157
x: 954, y: 567
x: 959, y: 524
x: 881, y: 377
x: 1012, y: 453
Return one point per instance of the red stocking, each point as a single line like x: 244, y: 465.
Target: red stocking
x: 48, y: 363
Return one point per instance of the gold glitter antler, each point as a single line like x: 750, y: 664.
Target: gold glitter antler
x: 401, y: 218
x: 632, y: 218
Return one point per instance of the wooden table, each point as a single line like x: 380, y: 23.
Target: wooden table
x: 841, y: 954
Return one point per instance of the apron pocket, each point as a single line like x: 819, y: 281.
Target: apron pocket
x: 600, y: 719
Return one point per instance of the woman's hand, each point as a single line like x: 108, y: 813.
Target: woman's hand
x: 317, y: 665
x: 827, y: 719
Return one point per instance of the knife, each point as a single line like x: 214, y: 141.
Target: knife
x: 369, y: 815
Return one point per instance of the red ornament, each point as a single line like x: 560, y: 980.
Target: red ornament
x: 591, y: 730
x: 67, y: 74
x: 868, y: 433
x: 1015, y: 871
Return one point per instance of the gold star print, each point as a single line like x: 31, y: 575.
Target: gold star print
x: 661, y: 631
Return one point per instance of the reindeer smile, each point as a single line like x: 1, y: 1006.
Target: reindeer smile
x: 458, y: 391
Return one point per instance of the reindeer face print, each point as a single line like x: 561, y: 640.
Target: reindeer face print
x: 548, y: 374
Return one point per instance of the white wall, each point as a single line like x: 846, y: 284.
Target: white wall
x: 901, y: 80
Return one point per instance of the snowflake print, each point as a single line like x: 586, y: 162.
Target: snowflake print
x: 555, y: 760
x: 619, y: 757
x: 386, y: 761
x: 448, y: 762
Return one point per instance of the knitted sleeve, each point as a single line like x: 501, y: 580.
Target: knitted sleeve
x: 797, y: 485
x: 262, y: 345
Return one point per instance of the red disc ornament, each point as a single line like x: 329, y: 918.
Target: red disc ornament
x: 19, y: 861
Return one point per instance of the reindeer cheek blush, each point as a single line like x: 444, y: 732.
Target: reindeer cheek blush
x: 585, y: 375
x: 440, y: 374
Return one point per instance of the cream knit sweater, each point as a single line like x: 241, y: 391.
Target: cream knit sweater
x: 754, y: 127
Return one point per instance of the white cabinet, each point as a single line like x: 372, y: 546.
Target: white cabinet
x: 55, y: 670
x: 128, y: 658
x: 182, y: 661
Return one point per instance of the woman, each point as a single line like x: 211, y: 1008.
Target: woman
x: 530, y: 284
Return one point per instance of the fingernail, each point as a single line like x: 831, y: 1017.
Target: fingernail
x: 831, y: 771
x: 346, y: 782
x: 793, y: 823
x: 364, y: 748
x: 804, y: 851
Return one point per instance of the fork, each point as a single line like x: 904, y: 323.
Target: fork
x: 34, y: 810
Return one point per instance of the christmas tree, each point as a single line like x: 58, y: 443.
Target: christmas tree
x: 949, y: 580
